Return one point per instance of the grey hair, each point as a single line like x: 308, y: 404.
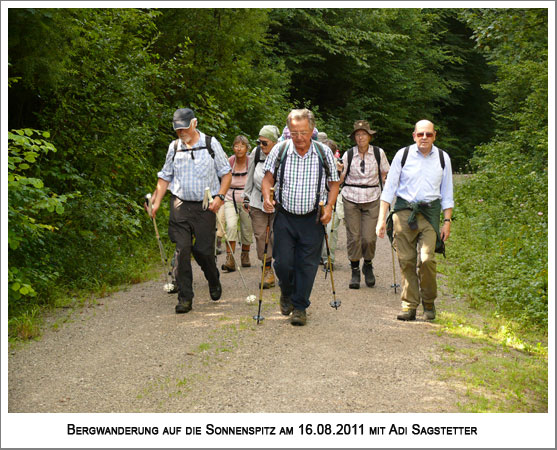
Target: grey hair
x: 301, y: 114
x: 243, y: 140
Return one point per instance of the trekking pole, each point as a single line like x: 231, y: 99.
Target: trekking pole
x: 334, y: 303
x: 207, y: 199
x: 169, y: 286
x: 332, y: 229
x: 259, y: 317
x: 394, y: 285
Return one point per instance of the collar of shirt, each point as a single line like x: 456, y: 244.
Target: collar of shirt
x: 292, y: 150
x: 434, y: 150
x: 200, y: 142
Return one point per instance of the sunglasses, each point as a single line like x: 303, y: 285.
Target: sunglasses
x: 363, y: 166
x: 427, y: 134
x: 262, y: 143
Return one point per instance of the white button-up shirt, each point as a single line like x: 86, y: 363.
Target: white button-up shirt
x: 421, y: 179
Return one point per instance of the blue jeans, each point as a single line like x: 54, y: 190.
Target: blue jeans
x: 296, y: 249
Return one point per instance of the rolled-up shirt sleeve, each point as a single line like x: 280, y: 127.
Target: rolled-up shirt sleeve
x: 393, y: 178
x: 167, y: 172
x: 447, y: 200
x: 270, y: 160
x: 222, y: 165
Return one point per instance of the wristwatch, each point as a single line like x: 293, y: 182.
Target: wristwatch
x: 221, y: 196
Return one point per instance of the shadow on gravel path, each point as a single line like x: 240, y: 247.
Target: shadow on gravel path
x: 132, y: 353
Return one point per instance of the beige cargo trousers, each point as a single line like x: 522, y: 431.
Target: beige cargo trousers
x: 416, y: 256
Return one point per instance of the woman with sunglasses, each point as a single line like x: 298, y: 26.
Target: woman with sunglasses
x: 363, y: 178
x: 233, y: 211
x: 253, y: 199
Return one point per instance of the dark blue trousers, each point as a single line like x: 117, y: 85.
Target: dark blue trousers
x: 296, y: 249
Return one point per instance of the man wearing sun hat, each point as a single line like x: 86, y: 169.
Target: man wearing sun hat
x: 193, y: 162
x: 365, y: 170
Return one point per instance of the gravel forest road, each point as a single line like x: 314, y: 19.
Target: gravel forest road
x: 129, y: 352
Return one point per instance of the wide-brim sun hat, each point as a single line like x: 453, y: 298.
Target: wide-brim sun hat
x: 182, y: 118
x: 362, y: 125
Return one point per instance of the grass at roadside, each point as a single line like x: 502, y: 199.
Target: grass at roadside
x: 497, y: 367
x: 27, y: 323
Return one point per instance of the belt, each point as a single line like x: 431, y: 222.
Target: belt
x: 280, y: 208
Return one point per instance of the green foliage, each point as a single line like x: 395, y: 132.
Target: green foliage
x: 32, y: 209
x: 501, y: 236
x: 389, y: 66
x: 222, y: 63
x: 105, y: 82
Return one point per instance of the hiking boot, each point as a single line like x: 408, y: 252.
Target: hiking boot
x: 229, y: 265
x: 215, y: 292
x: 407, y: 315
x: 298, y: 317
x: 245, y: 259
x: 183, y: 306
x: 268, y: 278
x: 429, y: 312
x: 367, y: 269
x: 355, y: 281
x: 286, y: 306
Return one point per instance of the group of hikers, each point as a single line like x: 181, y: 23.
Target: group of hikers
x: 286, y: 193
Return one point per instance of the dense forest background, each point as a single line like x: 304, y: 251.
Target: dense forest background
x: 92, y: 92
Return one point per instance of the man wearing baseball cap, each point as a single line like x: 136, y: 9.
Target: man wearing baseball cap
x: 193, y: 162
x: 364, y: 173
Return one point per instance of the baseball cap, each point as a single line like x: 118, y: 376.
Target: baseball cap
x: 182, y: 118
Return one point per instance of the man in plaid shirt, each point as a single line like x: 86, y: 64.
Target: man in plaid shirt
x: 189, y: 168
x: 302, y: 183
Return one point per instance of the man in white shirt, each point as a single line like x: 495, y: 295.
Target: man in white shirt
x: 420, y: 180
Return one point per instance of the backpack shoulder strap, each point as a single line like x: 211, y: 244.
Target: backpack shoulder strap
x: 208, y: 145
x: 404, y: 156
x: 256, y: 159
x: 280, y: 157
x: 349, y: 162
x: 175, y: 149
x: 279, y: 165
x: 378, y: 159
x: 323, y: 158
x: 441, y: 158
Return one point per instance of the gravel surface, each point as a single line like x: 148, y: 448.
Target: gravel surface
x: 130, y: 352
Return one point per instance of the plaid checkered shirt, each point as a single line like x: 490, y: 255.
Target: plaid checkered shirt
x: 189, y: 176
x: 369, y: 177
x: 301, y: 176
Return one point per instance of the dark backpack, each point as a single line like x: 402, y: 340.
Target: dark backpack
x: 377, y: 155
x: 405, y: 155
x: 257, y: 159
x: 207, y: 147
x: 282, y: 152
x: 281, y: 161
